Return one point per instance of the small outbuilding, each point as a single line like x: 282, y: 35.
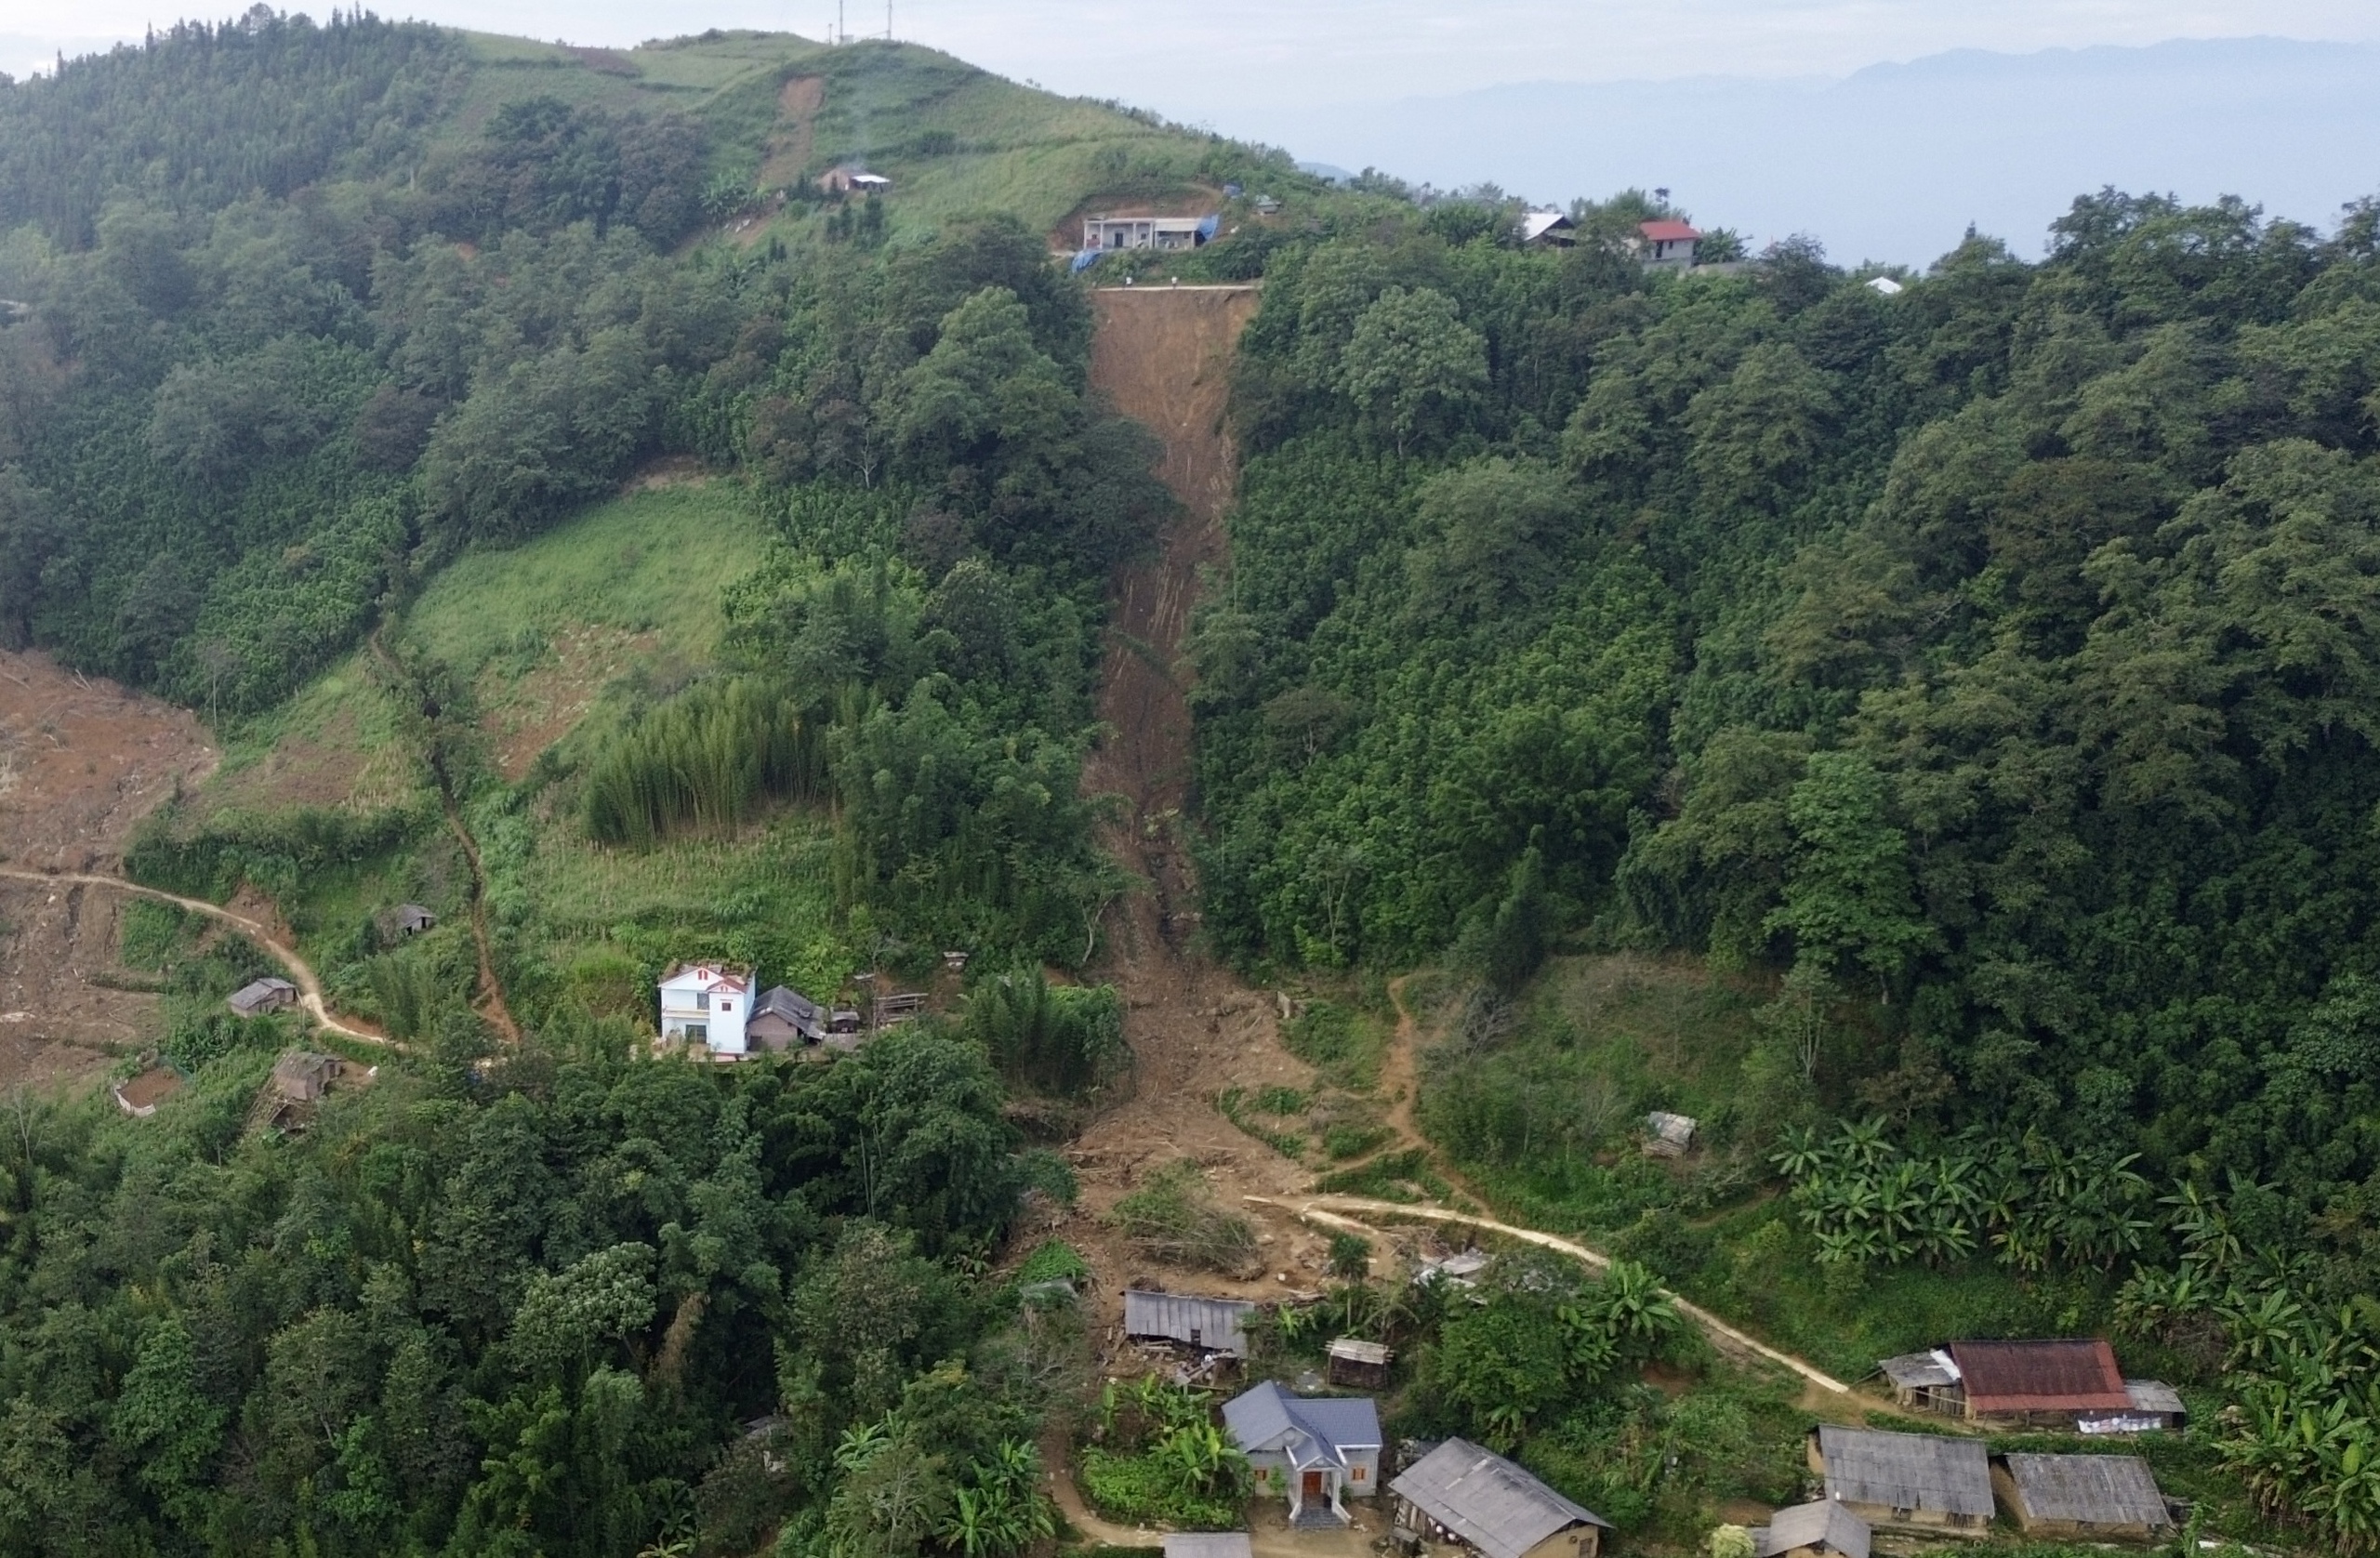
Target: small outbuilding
x: 264, y: 995
x: 411, y: 920
x: 1361, y: 1364
x: 785, y: 1019
x: 1546, y: 229
x: 1209, y: 1325
x: 2155, y: 1406
x: 301, y: 1075
x: 1668, y: 1135
x: 1926, y: 1382
x: 1316, y: 1451
x: 2084, y: 1497
x: 2055, y: 1385
x: 1909, y: 1482
x: 1461, y: 1493
x: 1824, y: 1529
x: 853, y: 180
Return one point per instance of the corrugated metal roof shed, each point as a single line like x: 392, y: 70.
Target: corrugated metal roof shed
x: 1207, y: 1544
x: 2088, y: 1489
x: 2155, y: 1395
x: 1360, y: 1352
x: 1907, y: 1471
x: 1824, y: 1524
x: 2072, y: 1375
x: 1487, y: 1500
x: 1920, y: 1371
x: 1218, y: 1325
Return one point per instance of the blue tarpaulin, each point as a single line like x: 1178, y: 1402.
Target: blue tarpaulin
x: 1083, y: 261
x: 1207, y: 229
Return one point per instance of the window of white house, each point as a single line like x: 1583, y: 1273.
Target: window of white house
x: 702, y: 1001
x: 699, y: 1033
x: 727, y: 1006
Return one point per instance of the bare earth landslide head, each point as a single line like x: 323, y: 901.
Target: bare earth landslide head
x: 82, y: 760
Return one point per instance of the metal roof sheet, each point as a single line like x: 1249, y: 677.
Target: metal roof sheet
x: 2154, y: 1395
x: 2078, y: 1375
x: 1667, y: 231
x: 1490, y: 1503
x: 1347, y: 1347
x: 1824, y: 1523
x: 2089, y: 1489
x: 1218, y: 1325
x: 1207, y: 1544
x: 1907, y: 1471
x: 1919, y: 1371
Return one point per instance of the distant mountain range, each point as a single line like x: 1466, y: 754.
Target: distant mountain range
x: 1894, y: 163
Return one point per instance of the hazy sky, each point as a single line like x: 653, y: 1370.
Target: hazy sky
x: 1206, y: 60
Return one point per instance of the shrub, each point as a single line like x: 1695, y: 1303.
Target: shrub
x: 1174, y: 1219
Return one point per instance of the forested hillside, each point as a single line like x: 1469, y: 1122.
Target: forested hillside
x: 1992, y: 659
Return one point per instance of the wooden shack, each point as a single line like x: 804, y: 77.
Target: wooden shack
x: 1361, y: 1364
x: 2084, y: 1497
x: 1926, y: 1382
x: 1905, y: 1482
x: 301, y: 1077
x: 1209, y: 1325
x: 1824, y: 1529
x: 412, y: 919
x: 264, y: 995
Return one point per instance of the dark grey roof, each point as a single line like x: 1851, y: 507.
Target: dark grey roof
x: 1219, y: 1325
x: 249, y: 997
x: 1490, y: 1503
x: 1207, y: 1544
x: 414, y: 914
x: 790, y: 1004
x: 1811, y: 1524
x: 2093, y: 1489
x: 1310, y: 1430
x: 1907, y: 1471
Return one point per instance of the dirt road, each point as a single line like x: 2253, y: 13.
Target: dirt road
x: 1358, y: 1213
x: 301, y: 974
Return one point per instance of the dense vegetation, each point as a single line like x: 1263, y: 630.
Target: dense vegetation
x: 1985, y: 666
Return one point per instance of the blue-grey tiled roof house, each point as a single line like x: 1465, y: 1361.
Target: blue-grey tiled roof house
x: 1316, y: 1451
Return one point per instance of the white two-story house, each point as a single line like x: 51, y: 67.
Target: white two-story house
x: 706, y: 1003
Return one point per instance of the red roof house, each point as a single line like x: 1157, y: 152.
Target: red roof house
x: 2058, y: 1381
x: 1666, y: 241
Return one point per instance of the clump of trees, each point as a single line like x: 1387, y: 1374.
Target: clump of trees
x: 701, y: 762
x: 1061, y: 1039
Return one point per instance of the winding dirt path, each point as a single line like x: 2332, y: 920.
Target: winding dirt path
x: 491, y: 1004
x: 1346, y: 1213
x: 301, y: 974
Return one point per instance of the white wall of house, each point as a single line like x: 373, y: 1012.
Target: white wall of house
x: 1140, y: 232
x: 707, y: 1003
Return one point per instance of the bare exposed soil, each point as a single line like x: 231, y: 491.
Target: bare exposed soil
x: 82, y: 760
x: 787, y: 156
x: 1164, y: 358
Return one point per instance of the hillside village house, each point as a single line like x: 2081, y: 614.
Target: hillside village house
x: 1316, y: 1451
x: 2057, y: 1384
x: 2084, y: 1497
x: 1667, y: 243
x: 265, y: 995
x: 1907, y: 1482
x: 1461, y: 1493
x: 706, y: 1004
x: 1146, y: 232
x: 1547, y: 229
x: 785, y: 1019
x: 1821, y: 1530
x: 1209, y: 1325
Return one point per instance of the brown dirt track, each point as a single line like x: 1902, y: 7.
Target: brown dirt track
x: 82, y: 760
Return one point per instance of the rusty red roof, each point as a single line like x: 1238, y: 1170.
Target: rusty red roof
x: 1667, y: 231
x: 2072, y: 1375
